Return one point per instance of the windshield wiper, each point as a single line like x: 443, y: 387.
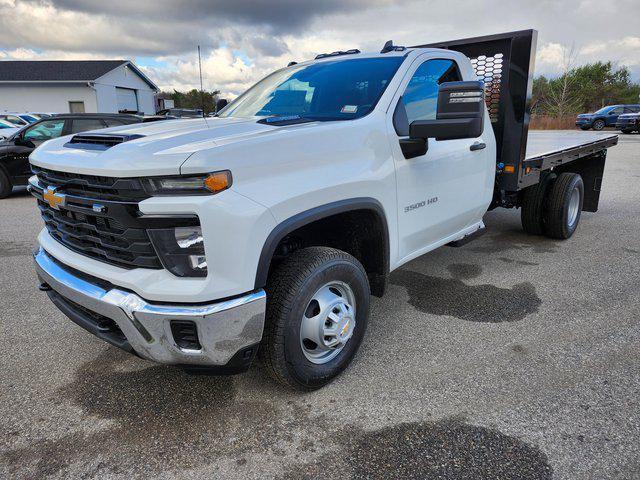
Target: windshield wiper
x: 281, y: 120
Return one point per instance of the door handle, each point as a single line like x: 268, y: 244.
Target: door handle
x: 478, y: 146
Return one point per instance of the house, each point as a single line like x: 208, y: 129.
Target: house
x: 92, y: 86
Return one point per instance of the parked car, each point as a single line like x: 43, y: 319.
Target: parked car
x: 41, y: 115
x: 16, y: 148
x: 605, y: 117
x: 7, y: 129
x: 181, y: 113
x: 267, y: 228
x: 28, y: 117
x: 13, y: 118
x: 628, y: 123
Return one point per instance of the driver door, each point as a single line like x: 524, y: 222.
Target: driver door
x: 448, y: 188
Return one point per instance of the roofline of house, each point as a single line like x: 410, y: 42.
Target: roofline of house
x: 126, y: 63
x: 134, y: 67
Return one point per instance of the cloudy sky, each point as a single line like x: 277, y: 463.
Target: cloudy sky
x: 244, y: 40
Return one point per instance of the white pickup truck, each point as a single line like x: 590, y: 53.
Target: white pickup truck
x: 199, y: 243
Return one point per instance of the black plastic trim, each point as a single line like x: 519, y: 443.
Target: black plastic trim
x: 239, y: 363
x: 80, y: 318
x: 309, y: 216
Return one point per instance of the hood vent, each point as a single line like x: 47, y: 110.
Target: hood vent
x: 98, y: 142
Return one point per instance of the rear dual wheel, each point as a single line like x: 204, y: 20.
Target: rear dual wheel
x: 553, y: 207
x: 565, y: 205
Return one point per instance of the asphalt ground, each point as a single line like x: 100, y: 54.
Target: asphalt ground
x: 511, y: 357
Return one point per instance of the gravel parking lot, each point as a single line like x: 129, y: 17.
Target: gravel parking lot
x: 511, y: 357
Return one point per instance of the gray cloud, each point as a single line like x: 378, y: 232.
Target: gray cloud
x: 243, y: 40
x: 287, y: 15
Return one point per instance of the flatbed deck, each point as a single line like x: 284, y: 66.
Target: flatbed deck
x: 546, y: 149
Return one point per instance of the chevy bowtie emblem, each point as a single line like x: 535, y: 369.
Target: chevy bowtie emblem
x: 55, y: 200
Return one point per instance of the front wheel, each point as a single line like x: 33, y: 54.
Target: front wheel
x: 5, y: 185
x: 317, y: 313
x: 598, y: 125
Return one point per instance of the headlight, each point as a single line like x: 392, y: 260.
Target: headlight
x: 206, y: 184
x: 181, y: 250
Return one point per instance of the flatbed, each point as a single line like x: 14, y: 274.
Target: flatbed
x: 546, y: 149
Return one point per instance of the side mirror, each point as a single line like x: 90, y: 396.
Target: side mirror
x: 221, y: 103
x: 460, y: 113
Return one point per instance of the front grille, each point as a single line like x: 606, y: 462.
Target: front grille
x: 100, y: 237
x: 93, y: 186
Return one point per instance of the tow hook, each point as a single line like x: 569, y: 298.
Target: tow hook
x: 44, y: 287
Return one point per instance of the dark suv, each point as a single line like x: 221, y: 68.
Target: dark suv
x: 15, y: 150
x: 605, y: 117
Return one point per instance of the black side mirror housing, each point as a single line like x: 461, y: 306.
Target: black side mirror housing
x: 221, y: 103
x: 460, y: 113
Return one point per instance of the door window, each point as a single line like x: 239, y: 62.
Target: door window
x: 44, y: 131
x: 421, y: 95
x: 633, y: 109
x: 616, y: 111
x: 85, y: 124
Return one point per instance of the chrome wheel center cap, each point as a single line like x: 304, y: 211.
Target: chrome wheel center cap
x: 328, y: 322
x: 339, y: 326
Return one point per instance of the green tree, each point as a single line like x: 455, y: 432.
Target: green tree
x: 193, y: 99
x: 584, y: 89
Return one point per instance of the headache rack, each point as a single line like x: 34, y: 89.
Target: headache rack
x: 505, y: 63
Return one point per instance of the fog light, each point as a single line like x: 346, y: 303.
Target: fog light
x: 181, y: 250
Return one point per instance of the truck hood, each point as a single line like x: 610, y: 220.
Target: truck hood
x: 155, y: 148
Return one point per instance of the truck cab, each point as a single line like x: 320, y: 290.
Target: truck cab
x: 202, y: 242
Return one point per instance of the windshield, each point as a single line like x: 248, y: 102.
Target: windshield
x: 331, y: 90
x: 603, y: 110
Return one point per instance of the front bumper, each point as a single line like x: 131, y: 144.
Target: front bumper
x: 228, y: 331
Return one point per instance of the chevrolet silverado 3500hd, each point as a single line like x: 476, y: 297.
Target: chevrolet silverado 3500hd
x: 199, y: 243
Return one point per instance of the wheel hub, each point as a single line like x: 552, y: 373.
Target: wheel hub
x: 574, y: 207
x: 328, y: 322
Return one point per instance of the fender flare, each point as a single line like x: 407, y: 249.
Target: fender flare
x: 309, y: 216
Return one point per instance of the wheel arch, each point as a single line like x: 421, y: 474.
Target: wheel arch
x: 317, y: 214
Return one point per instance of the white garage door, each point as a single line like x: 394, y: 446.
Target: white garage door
x: 127, y: 99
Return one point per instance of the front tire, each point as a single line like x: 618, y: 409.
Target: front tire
x: 5, y: 185
x: 598, y: 125
x: 564, y: 206
x: 317, y: 313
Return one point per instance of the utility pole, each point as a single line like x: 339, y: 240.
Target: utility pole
x: 201, y: 89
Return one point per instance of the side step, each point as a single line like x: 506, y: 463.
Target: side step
x: 468, y: 238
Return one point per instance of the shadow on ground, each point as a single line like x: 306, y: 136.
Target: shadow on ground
x: 449, y: 449
x: 158, y: 418
x: 475, y: 303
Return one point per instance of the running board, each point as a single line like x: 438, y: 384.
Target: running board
x: 468, y: 238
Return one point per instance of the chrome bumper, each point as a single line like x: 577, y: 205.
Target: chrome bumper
x: 224, y: 328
